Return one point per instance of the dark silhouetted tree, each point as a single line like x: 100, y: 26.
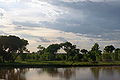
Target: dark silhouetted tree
x: 41, y: 49
x: 84, y: 51
x: 95, y: 53
x: 52, y: 49
x: 109, y: 49
x: 11, y: 47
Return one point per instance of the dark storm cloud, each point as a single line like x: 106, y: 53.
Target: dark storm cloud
x: 94, y: 18
x: 100, y: 18
x: 99, y: 14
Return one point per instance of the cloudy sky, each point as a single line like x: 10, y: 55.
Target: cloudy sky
x: 82, y: 22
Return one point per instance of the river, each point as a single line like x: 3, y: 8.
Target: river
x: 72, y: 73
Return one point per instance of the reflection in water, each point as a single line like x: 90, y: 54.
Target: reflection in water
x: 95, y: 71
x: 79, y: 73
x: 66, y: 73
x: 12, y: 74
x: 105, y: 73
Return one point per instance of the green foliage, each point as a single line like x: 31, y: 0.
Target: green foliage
x: 107, y: 57
x: 23, y: 56
x: 84, y: 51
x: 41, y: 49
x: 70, y: 50
x: 53, y: 48
x: 95, y: 53
x: 109, y: 49
x: 117, y: 54
x: 95, y: 47
x: 61, y: 57
x: 73, y: 55
x: 11, y: 47
x: 78, y: 57
x: 45, y: 56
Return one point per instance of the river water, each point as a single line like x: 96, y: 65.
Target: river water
x: 72, y: 73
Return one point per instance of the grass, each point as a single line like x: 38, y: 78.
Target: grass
x: 56, y: 64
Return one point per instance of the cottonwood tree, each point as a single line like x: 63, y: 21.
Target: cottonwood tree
x: 109, y: 48
x: 70, y: 49
x: 11, y: 47
x: 108, y: 53
x: 40, y: 49
x: 95, y: 53
x: 52, y: 50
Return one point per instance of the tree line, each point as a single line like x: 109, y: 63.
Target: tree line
x: 14, y: 48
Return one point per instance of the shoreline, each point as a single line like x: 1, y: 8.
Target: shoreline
x: 58, y: 65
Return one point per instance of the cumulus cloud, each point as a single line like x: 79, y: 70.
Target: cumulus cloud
x: 86, y: 17
x: 82, y: 22
x: 47, y: 36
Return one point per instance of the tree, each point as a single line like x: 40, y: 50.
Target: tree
x: 109, y: 49
x: 117, y: 54
x: 95, y: 47
x: 78, y: 57
x: 117, y: 50
x: 84, y: 55
x: 95, y: 53
x: 40, y: 49
x: 52, y: 49
x: 84, y: 51
x: 108, y: 53
x: 70, y: 49
x: 11, y: 47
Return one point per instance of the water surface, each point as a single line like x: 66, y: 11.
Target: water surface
x: 73, y: 73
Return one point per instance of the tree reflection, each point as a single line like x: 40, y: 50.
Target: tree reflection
x: 12, y: 74
x: 108, y: 71
x: 51, y: 71
x: 66, y: 73
x: 95, y: 71
x: 98, y: 73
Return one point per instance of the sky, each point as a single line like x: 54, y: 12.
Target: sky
x: 45, y: 22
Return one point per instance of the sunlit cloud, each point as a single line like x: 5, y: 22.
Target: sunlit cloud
x: 46, y: 36
x: 82, y: 22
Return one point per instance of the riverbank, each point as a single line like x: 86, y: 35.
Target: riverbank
x: 34, y: 64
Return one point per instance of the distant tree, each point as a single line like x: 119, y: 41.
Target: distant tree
x: 95, y: 47
x: 92, y: 56
x: 23, y: 56
x: 109, y: 49
x: 117, y: 50
x: 11, y: 47
x: 95, y: 53
x: 78, y: 57
x: 67, y: 47
x: 117, y: 54
x: 70, y: 49
x: 52, y: 49
x: 85, y: 55
x: 41, y: 49
x: 61, y: 57
x: 84, y: 51
x: 108, y: 54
